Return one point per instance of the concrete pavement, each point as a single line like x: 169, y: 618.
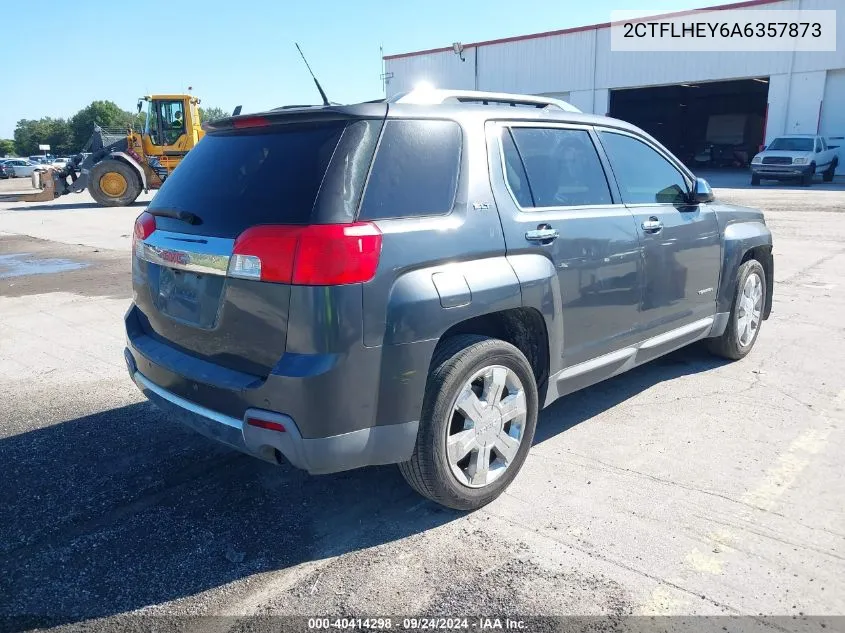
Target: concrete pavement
x: 688, y: 486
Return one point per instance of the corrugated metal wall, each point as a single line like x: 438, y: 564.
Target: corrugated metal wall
x: 805, y: 88
x: 583, y: 61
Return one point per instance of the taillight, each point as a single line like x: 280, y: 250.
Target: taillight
x: 314, y: 255
x: 145, y: 224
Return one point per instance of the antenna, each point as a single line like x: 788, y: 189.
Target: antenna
x: 319, y: 87
x: 385, y: 76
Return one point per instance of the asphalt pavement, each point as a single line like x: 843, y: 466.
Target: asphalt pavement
x: 690, y: 486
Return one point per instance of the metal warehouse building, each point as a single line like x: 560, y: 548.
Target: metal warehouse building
x: 685, y: 99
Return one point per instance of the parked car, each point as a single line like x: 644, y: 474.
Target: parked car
x: 6, y: 171
x: 799, y: 156
x: 23, y: 167
x: 423, y: 276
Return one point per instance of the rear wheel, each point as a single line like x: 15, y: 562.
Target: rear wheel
x: 113, y: 183
x: 477, y: 424
x: 746, y: 313
x: 827, y: 174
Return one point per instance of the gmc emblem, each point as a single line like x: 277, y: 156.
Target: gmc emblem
x: 176, y: 257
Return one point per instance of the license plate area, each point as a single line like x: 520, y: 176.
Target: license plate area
x: 188, y: 297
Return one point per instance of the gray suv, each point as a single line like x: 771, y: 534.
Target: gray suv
x: 411, y: 281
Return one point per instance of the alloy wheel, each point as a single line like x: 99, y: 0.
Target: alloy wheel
x: 487, y: 426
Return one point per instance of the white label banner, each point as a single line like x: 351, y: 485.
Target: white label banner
x: 738, y: 30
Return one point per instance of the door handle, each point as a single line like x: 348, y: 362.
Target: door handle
x: 652, y: 225
x: 543, y: 233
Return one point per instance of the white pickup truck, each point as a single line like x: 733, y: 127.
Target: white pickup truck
x: 799, y: 156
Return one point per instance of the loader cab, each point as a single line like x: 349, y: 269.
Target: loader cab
x: 171, y: 129
x: 172, y: 124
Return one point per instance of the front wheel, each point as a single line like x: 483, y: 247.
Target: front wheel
x: 827, y: 174
x: 478, y: 419
x: 746, y: 313
x: 755, y: 180
x: 113, y: 183
x: 807, y: 179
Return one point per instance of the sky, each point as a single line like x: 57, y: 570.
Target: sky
x: 243, y: 52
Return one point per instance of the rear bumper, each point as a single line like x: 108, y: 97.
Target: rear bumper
x: 373, y: 446
x: 781, y: 171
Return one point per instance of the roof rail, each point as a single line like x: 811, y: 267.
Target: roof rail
x: 435, y: 96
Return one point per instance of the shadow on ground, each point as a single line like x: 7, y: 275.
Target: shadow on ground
x: 588, y: 403
x: 122, y: 509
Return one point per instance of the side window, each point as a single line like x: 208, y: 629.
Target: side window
x: 515, y: 171
x: 415, y: 171
x: 562, y: 167
x: 644, y: 175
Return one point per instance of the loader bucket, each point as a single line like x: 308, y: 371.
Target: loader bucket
x: 45, y: 181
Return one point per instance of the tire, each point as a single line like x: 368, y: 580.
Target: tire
x: 755, y: 180
x: 456, y: 361
x: 827, y: 174
x: 807, y: 179
x: 730, y: 344
x: 118, y: 197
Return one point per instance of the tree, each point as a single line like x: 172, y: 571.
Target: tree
x: 207, y: 115
x: 56, y: 133
x: 7, y: 147
x: 105, y: 114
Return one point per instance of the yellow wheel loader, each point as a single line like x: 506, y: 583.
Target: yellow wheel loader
x: 117, y: 165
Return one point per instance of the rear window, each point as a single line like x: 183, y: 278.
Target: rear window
x: 236, y: 180
x: 415, y: 171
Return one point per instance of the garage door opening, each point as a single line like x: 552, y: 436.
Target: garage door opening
x: 710, y: 124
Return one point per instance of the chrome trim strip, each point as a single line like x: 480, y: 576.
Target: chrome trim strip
x: 138, y: 377
x: 629, y: 352
x: 680, y: 332
x: 183, y: 251
x: 595, y: 363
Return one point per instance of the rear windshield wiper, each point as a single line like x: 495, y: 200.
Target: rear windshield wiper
x: 184, y: 216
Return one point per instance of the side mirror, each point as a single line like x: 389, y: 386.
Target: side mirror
x: 702, y: 192
x: 763, y: 148
x: 140, y: 105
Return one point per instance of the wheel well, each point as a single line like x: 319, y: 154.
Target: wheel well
x: 524, y: 328
x: 763, y: 254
